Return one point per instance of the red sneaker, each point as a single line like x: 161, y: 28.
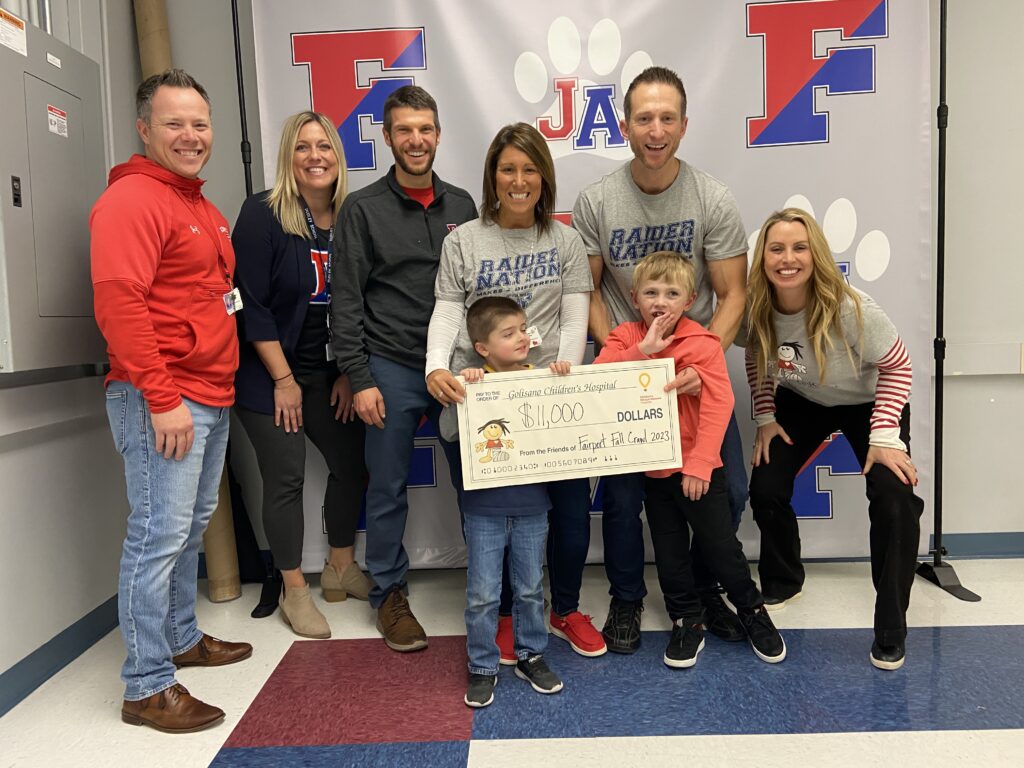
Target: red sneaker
x: 506, y: 641
x: 578, y: 630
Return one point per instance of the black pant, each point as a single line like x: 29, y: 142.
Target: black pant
x: 282, y: 460
x: 670, y: 516
x: 893, y: 509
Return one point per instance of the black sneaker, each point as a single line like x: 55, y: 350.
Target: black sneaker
x: 686, y: 642
x: 764, y: 637
x: 480, y: 692
x: 622, y: 627
x: 887, y: 656
x: 535, y: 671
x: 719, y: 620
x: 778, y: 603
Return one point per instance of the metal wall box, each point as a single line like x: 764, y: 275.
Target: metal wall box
x: 51, y: 172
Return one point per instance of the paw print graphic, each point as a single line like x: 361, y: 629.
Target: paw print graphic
x: 872, y: 255
x: 592, y: 101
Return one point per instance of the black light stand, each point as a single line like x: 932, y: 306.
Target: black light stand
x: 937, y: 572
x: 246, y: 148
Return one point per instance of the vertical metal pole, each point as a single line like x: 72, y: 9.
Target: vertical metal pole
x: 942, y: 115
x: 246, y: 147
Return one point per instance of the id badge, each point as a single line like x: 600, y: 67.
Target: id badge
x: 329, y: 351
x: 232, y: 301
x: 534, y: 334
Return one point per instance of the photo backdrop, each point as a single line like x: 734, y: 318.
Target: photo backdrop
x: 824, y: 104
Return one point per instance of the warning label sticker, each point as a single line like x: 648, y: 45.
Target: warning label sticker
x: 57, y: 120
x: 12, y: 33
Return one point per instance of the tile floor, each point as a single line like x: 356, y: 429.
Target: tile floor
x: 959, y: 698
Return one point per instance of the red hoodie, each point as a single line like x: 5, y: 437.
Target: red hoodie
x: 161, y: 263
x: 702, y: 420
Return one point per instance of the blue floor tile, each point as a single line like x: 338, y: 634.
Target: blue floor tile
x: 436, y: 754
x: 955, y: 678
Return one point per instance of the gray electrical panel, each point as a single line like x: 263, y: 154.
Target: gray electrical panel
x: 51, y: 172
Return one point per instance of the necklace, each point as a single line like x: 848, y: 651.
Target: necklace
x: 510, y: 253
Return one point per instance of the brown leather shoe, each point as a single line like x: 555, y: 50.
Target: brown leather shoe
x: 173, y: 710
x: 211, y: 652
x: 399, y: 627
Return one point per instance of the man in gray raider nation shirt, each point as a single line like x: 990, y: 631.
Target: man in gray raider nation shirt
x: 657, y: 202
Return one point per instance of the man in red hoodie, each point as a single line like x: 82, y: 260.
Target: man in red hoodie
x: 162, y: 274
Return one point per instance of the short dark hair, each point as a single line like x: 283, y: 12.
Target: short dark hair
x: 413, y: 97
x: 662, y: 75
x: 485, y: 314
x: 528, y: 139
x: 173, y: 78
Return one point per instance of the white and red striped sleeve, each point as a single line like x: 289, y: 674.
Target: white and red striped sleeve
x: 891, y: 394
x: 763, y: 394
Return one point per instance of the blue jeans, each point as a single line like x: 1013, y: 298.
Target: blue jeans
x: 623, y: 533
x: 735, y: 471
x: 568, y: 543
x: 171, y: 503
x: 388, y: 455
x: 487, y: 537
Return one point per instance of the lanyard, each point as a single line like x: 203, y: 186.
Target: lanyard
x: 327, y: 264
x: 316, y: 239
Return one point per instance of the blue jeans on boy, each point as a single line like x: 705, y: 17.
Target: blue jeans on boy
x: 171, y: 503
x: 487, y: 536
x: 388, y: 454
x: 568, y: 543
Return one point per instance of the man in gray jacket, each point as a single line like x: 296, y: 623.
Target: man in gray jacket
x: 389, y: 248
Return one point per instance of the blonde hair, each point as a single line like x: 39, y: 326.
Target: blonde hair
x: 667, y: 266
x: 284, y: 197
x: 827, y: 292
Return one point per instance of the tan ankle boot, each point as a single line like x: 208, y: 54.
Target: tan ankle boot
x: 349, y: 583
x: 299, y: 613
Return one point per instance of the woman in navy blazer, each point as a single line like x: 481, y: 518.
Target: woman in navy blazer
x: 288, y: 386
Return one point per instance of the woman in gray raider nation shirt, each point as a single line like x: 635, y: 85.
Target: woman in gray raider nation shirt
x: 517, y: 250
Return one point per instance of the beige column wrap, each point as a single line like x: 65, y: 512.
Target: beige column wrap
x: 154, y: 36
x: 221, y: 554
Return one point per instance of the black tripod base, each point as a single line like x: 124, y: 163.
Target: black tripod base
x: 943, y: 576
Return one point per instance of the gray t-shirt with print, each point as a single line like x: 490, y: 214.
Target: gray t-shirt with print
x: 696, y: 217
x: 535, y: 269
x: 846, y: 382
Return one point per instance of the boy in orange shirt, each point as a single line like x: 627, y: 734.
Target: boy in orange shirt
x: 695, y: 495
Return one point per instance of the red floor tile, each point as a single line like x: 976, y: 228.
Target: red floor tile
x: 360, y: 692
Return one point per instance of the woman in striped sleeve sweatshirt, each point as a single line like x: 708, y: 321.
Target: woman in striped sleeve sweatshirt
x: 824, y: 357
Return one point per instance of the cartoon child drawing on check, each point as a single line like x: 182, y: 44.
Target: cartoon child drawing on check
x: 493, y: 433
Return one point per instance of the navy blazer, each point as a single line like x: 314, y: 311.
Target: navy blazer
x: 275, y: 274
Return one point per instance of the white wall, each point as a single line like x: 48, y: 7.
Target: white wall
x: 984, y: 323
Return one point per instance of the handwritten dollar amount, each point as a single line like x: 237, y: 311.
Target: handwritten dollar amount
x: 550, y: 414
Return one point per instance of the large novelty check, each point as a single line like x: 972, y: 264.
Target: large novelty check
x: 534, y: 426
